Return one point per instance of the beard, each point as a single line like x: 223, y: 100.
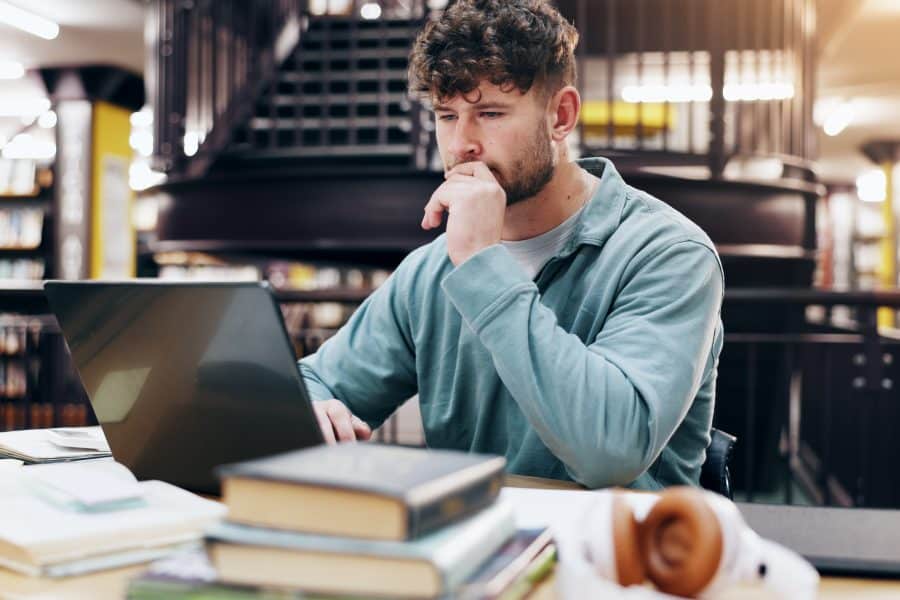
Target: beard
x: 531, y: 169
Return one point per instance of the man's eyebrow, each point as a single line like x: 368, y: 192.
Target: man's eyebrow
x: 476, y: 106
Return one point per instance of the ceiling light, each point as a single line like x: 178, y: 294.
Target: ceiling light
x: 871, y: 186
x: 28, y: 21
x: 370, y: 11
x: 839, y: 118
x: 10, y: 69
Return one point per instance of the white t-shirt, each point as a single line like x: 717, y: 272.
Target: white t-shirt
x: 534, y: 253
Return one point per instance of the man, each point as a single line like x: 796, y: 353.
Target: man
x: 564, y: 320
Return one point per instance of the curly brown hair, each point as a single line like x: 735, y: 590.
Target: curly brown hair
x: 514, y: 44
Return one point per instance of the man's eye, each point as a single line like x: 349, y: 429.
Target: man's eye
x: 446, y: 117
x: 491, y: 114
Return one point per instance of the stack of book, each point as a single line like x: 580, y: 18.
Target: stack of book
x: 364, y: 520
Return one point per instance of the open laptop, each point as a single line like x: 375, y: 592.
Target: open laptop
x: 185, y: 376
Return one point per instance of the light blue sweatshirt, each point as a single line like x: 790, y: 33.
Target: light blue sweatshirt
x: 601, y: 370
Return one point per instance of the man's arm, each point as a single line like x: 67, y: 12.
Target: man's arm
x: 608, y: 408
x: 369, y: 364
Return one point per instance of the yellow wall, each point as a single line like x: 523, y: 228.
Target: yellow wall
x: 112, y: 128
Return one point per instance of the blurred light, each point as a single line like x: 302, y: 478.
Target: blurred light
x: 839, y: 119
x: 871, y: 186
x: 145, y: 214
x: 318, y: 7
x: 667, y: 93
x: 28, y: 120
x: 47, y: 120
x: 23, y: 106
x: 140, y: 176
x: 191, y: 143
x: 370, y: 11
x: 28, y: 21
x: 25, y: 146
x: 437, y: 4
x: 143, y: 118
x: 751, y: 92
x: 10, y: 69
x: 142, y: 142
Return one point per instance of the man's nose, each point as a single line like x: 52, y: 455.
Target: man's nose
x: 465, y: 145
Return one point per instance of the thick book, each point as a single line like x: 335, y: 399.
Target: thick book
x: 429, y: 567
x: 44, y: 534
x: 363, y: 490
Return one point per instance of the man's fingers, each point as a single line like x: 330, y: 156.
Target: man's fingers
x: 324, y: 422
x: 434, y: 210
x: 340, y: 420
x: 361, y: 428
x: 476, y: 169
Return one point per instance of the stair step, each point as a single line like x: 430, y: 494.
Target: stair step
x: 331, y: 99
x: 348, y: 151
x: 270, y: 124
x: 307, y: 53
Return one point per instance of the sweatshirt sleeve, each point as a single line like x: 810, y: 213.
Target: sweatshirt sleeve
x: 605, y: 408
x: 369, y: 364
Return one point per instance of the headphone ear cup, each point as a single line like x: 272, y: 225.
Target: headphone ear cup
x: 681, y: 542
x: 626, y: 544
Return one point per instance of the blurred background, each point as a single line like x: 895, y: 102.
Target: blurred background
x: 274, y: 139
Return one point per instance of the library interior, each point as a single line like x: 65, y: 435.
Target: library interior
x: 483, y: 299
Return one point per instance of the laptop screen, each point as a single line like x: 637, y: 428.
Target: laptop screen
x: 185, y: 376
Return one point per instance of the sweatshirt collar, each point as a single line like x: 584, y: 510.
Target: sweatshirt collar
x: 603, y: 212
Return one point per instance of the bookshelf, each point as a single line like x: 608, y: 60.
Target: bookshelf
x: 38, y: 386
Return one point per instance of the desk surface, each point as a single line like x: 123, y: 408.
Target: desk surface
x: 110, y: 585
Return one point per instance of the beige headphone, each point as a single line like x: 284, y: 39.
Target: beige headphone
x: 678, y: 545
x: 688, y: 542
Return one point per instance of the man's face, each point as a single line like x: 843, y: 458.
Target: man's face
x: 505, y: 130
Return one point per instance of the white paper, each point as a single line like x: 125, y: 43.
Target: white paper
x: 36, y: 445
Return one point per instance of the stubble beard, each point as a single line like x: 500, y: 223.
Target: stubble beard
x: 531, y: 171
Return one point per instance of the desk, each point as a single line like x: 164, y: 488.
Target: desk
x: 111, y: 585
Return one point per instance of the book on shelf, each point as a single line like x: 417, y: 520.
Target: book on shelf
x: 431, y: 566
x: 369, y: 490
x: 58, y: 520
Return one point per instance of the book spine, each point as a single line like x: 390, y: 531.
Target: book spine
x: 454, y: 507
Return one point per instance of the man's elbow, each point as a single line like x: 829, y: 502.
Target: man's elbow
x: 608, y: 467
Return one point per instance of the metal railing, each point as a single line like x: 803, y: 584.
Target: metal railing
x: 809, y: 385
x: 207, y: 62
x: 694, y: 82
x: 725, y: 85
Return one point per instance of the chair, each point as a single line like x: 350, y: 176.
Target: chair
x: 714, y: 473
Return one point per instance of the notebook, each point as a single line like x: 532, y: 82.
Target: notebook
x: 46, y: 534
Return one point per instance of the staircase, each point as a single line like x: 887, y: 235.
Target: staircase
x: 339, y: 98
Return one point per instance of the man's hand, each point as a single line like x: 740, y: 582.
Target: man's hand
x: 475, y: 205
x: 338, y: 424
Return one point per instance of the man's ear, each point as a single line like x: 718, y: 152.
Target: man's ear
x: 563, y: 109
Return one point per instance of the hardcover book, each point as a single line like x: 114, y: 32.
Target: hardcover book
x: 361, y: 490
